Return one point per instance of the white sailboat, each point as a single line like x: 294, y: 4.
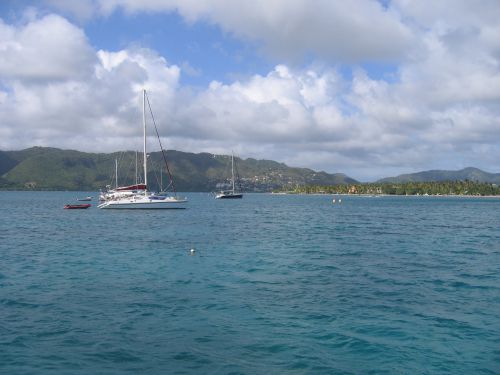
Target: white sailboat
x: 142, y: 198
x: 122, y: 191
x: 230, y: 194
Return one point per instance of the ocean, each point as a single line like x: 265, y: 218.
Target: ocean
x: 278, y: 284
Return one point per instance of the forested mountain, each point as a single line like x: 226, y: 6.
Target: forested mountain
x: 471, y: 174
x: 44, y: 168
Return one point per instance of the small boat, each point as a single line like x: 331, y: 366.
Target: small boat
x: 230, y: 194
x: 86, y: 199
x: 76, y: 206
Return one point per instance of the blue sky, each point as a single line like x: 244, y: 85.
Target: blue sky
x: 367, y: 88
x: 210, y: 53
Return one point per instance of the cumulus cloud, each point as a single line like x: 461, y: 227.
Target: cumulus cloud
x: 344, y: 30
x: 283, y: 106
x: 89, y: 102
x: 49, y: 48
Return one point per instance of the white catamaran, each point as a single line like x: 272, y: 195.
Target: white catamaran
x: 230, y: 194
x: 137, y: 196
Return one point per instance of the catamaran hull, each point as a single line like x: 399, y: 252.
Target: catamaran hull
x: 149, y: 205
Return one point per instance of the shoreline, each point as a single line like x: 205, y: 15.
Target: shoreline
x: 392, y: 195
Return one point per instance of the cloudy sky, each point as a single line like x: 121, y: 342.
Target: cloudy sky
x: 364, y: 87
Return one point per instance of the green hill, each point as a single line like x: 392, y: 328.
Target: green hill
x: 471, y: 174
x: 43, y: 168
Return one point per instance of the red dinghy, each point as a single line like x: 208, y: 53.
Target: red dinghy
x: 76, y: 206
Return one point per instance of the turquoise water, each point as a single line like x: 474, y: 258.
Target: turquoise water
x: 278, y: 284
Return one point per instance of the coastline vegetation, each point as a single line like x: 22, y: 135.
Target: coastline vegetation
x: 469, y: 188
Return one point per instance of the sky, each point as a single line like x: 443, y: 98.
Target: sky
x: 363, y: 87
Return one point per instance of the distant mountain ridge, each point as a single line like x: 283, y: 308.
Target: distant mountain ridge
x: 45, y: 168
x: 470, y: 173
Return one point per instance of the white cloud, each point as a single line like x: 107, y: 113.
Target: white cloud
x: 90, y: 102
x: 49, y: 48
x: 343, y: 30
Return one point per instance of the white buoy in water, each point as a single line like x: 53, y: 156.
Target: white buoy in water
x: 192, y: 251
x: 340, y: 200
x: 333, y: 200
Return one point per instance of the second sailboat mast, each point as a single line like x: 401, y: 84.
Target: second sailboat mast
x: 144, y: 126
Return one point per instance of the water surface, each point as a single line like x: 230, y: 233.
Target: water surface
x: 278, y: 284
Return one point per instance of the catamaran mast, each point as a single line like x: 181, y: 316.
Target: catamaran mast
x: 116, y: 173
x: 136, y: 182
x: 144, y: 126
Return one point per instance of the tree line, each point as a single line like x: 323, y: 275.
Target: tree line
x: 406, y: 188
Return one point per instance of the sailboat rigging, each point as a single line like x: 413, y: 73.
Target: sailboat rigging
x: 138, y: 196
x: 230, y: 194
